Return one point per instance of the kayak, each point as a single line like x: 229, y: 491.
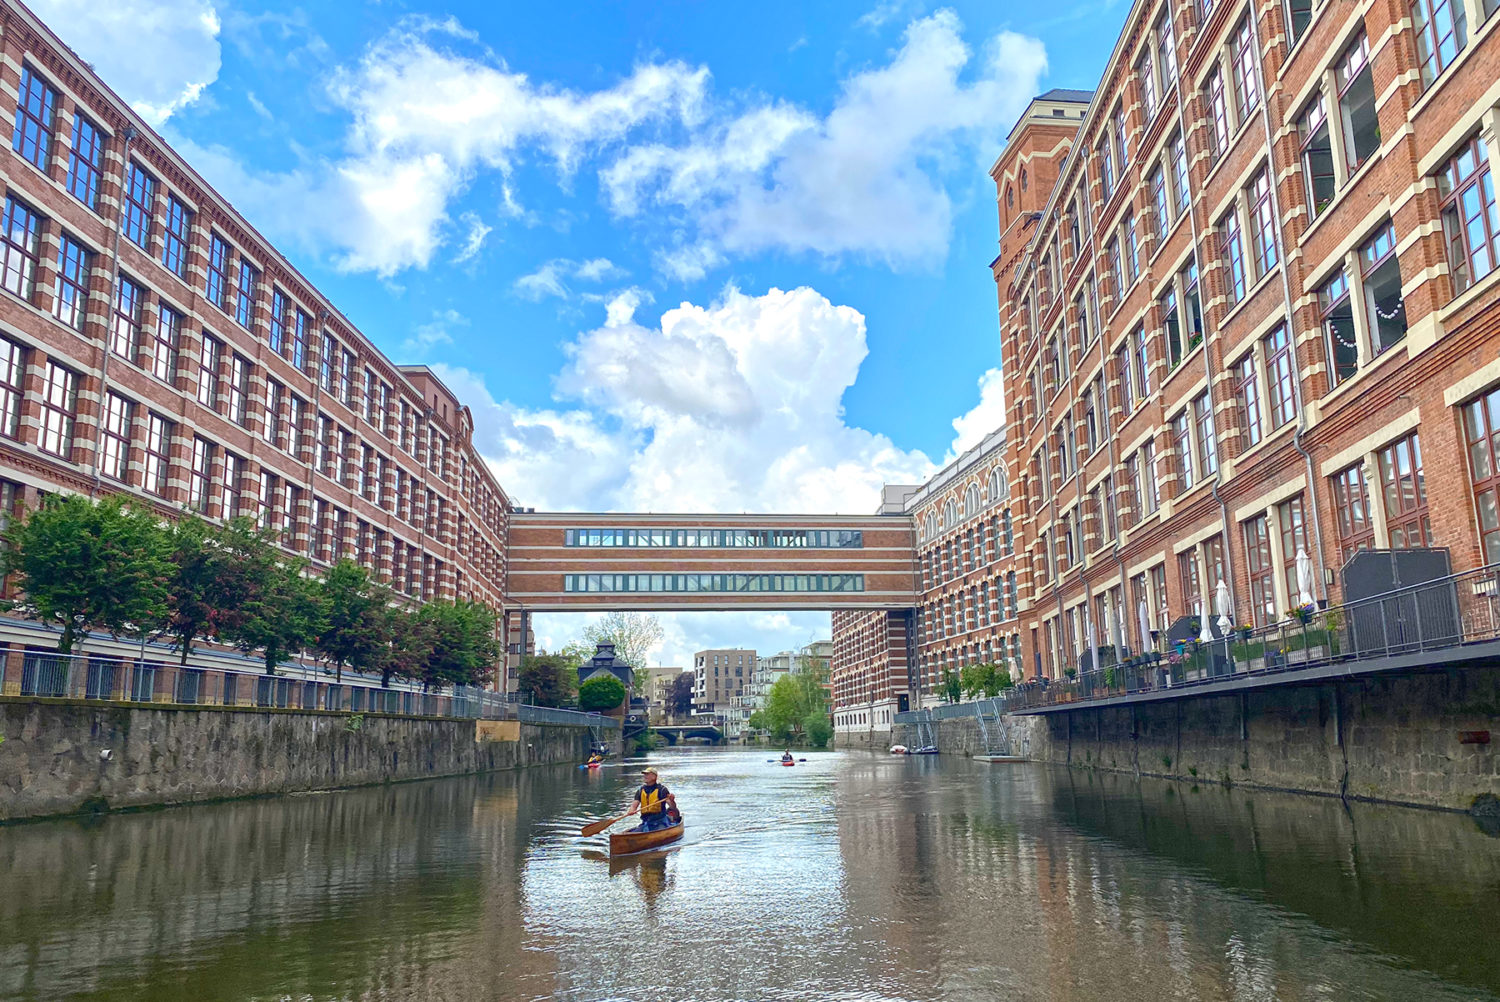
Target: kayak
x: 628, y: 842
x: 789, y: 763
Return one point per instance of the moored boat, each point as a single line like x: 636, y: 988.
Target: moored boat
x: 628, y: 842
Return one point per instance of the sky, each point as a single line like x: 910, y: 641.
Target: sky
x: 677, y: 256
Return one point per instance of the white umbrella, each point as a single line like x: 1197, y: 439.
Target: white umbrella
x: 1304, y: 578
x: 1109, y: 627
x: 1145, y: 624
x: 1204, y: 636
x: 1226, y: 611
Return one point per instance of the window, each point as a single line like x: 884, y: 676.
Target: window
x: 36, y: 110
x: 1159, y: 202
x: 1283, y: 396
x: 208, y: 373
x: 1357, y: 104
x: 70, y: 300
x: 1233, y: 254
x: 1171, y: 327
x: 1262, y: 578
x: 12, y: 381
x: 176, y: 236
x: 328, y: 361
x: 1203, y: 420
x: 85, y: 162
x: 140, y: 206
x: 1122, y: 137
x: 1106, y: 169
x: 1247, y: 402
x: 1141, y: 363
x: 1471, y: 224
x: 125, y: 324
x: 1242, y: 63
x: 1116, y: 270
x: 239, y: 390
x: 1151, y: 488
x: 244, y: 302
x: 1166, y: 54
x: 1262, y: 224
x: 1317, y: 155
x: 300, y: 340
x: 1351, y: 500
x: 200, y: 475
x: 1178, y: 152
x: 1189, y: 579
x: 1339, y: 337
x: 275, y: 398
x: 1289, y: 517
x: 1298, y: 16
x: 1482, y: 432
x: 1132, y: 249
x: 234, y: 468
x: 1405, y: 493
x: 158, y: 451
x: 216, y: 285
x: 1441, y: 35
x: 165, y: 344
x: 59, y: 408
x: 1219, y: 112
x: 1145, y: 72
x: 1182, y: 450
x: 115, y: 440
x: 19, y: 244
x: 346, y: 378
x: 1385, y: 312
x: 1122, y: 374
x: 296, y: 417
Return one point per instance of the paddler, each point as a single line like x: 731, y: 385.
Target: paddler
x: 596, y: 759
x: 654, y: 803
x: 786, y: 756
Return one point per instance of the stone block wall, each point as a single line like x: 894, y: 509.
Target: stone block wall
x: 1408, y: 739
x: 62, y: 757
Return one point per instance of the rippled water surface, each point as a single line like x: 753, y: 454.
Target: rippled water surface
x: 850, y: 877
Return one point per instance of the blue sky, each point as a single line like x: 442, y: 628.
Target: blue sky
x: 677, y: 256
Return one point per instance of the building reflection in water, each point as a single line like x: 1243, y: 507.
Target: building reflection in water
x: 857, y: 877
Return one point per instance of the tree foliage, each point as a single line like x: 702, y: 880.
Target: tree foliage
x: 283, y: 615
x: 217, y: 571
x: 548, y: 679
x: 464, y: 648
x: 600, y: 693
x: 680, y: 703
x: 355, y: 630
x: 985, y: 679
x: 634, y: 634
x: 795, y: 699
x: 952, y: 688
x: 817, y: 729
x: 83, y: 566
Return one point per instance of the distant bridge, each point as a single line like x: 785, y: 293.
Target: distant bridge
x: 677, y: 733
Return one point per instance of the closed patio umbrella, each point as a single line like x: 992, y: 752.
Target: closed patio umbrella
x: 1204, y: 634
x: 1304, y: 578
x: 1145, y: 624
x: 1225, y: 610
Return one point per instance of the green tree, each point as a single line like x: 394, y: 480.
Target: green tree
x: 684, y: 686
x: 757, y: 721
x: 356, y: 629
x: 600, y: 693
x: 464, y: 649
x: 817, y: 728
x: 408, y: 645
x: 282, y: 617
x: 82, y: 566
x: 548, y: 679
x: 952, y: 688
x: 785, y: 708
x: 216, y: 569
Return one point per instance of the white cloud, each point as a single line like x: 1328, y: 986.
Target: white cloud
x: 882, y: 14
x: 685, y: 633
x: 437, y: 331
x: 865, y: 180
x: 478, y: 230
x: 550, y: 278
x: 158, y: 54
x: 984, y: 417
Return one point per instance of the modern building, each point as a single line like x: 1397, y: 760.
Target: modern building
x: 659, y: 682
x: 1247, y: 296
x: 722, y: 676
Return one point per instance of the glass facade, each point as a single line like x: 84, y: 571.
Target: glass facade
x: 763, y: 539
x: 723, y: 583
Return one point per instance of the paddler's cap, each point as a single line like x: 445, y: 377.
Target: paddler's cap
x: 648, y: 771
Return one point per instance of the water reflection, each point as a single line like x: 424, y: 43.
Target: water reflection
x: 849, y: 877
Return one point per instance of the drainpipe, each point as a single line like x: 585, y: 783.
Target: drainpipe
x: 114, y: 292
x: 1208, y: 371
x: 1286, y: 294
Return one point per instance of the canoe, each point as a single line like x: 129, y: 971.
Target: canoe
x: 628, y: 842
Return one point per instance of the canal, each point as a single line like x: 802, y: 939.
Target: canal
x: 850, y: 877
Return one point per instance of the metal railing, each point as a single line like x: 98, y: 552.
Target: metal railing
x: 114, y: 679
x: 555, y: 715
x: 1439, y: 616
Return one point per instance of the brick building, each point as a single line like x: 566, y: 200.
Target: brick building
x: 1247, y: 302
x: 722, y: 677
x: 152, y: 343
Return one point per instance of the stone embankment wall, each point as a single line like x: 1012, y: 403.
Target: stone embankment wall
x: 863, y: 740
x: 1411, y: 739
x: 64, y: 757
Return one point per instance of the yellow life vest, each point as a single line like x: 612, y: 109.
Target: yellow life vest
x: 651, y: 799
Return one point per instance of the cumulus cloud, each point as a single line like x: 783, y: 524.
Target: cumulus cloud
x: 158, y: 54
x: 436, y: 332
x: 867, y: 179
x: 984, y: 417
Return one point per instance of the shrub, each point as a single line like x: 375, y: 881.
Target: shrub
x: 602, y: 692
x: 818, y: 729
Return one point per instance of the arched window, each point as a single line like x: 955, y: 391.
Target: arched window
x: 932, y: 526
x: 971, y: 501
x: 950, y: 515
x: 1010, y: 197
x: 999, y: 487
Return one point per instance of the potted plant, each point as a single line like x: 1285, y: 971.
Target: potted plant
x: 1245, y: 630
x: 1301, y: 613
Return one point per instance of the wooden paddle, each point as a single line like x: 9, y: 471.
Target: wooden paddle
x: 599, y: 826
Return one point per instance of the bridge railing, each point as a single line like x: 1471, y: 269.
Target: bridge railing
x: 1441, y: 617
x: 554, y: 715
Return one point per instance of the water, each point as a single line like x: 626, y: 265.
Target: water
x: 850, y: 877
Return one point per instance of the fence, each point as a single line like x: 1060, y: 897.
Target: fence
x: 1440, y: 616
x: 110, y: 679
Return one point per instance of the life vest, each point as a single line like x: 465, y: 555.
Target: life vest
x: 651, y: 799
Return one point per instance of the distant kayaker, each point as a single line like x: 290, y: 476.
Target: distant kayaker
x: 786, y: 756
x: 654, y: 803
x: 596, y: 759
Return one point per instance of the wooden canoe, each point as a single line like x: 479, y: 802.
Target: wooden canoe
x: 629, y: 842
